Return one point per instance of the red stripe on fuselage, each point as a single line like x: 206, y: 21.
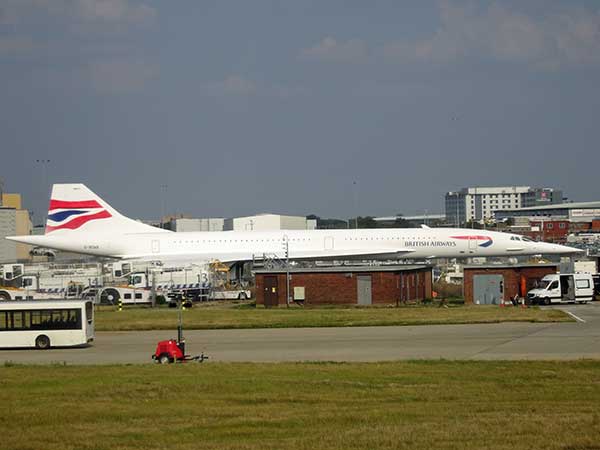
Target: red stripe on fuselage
x: 482, y: 238
x: 63, y: 204
x: 79, y: 221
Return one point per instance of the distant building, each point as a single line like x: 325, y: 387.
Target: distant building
x: 269, y: 222
x: 574, y: 212
x: 413, y: 221
x: 205, y: 224
x: 11, y: 200
x: 541, y: 197
x: 480, y: 203
x: 8, y: 227
x: 13, y: 221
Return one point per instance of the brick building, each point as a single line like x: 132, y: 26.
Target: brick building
x: 345, y: 285
x: 551, y: 230
x: 490, y: 284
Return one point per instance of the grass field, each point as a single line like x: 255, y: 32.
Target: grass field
x: 407, y: 405
x: 213, y: 318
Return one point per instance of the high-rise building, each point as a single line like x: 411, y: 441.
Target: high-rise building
x: 479, y: 203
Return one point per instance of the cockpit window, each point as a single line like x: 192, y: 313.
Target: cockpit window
x: 526, y: 239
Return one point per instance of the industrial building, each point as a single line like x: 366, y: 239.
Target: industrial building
x: 269, y: 222
x: 495, y: 284
x: 204, y: 224
x: 14, y: 220
x: 344, y: 285
x: 573, y: 212
x: 480, y: 203
x: 553, y: 223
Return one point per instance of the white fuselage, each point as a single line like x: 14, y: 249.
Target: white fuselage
x: 80, y: 221
x: 414, y: 243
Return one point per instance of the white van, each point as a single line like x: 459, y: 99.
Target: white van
x: 563, y: 288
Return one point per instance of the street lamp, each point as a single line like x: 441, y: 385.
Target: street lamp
x: 43, y: 163
x: 286, y: 249
x: 163, y: 194
x: 355, y: 192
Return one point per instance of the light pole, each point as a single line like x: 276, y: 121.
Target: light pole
x: 355, y: 192
x: 163, y: 195
x: 43, y: 163
x: 286, y: 249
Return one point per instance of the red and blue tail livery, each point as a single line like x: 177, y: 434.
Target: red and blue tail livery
x: 63, y: 214
x: 487, y: 240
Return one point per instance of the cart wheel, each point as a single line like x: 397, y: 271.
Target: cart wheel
x: 164, y: 359
x: 42, y: 342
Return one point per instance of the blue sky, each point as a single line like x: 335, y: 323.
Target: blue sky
x: 243, y: 107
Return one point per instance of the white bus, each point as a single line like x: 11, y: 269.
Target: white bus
x: 46, y: 323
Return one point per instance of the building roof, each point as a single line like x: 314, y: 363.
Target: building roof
x: 346, y: 269
x: 509, y: 266
x: 423, y: 217
x: 574, y: 205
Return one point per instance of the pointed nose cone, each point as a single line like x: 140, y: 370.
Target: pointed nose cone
x: 556, y: 249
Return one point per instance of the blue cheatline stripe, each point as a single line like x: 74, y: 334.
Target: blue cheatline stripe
x: 486, y: 244
x: 62, y: 215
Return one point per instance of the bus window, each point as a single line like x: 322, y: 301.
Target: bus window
x: 17, y: 320
x: 36, y: 320
x: 3, y: 320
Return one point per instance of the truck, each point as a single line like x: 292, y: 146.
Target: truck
x: 133, y: 282
x: 47, y: 281
x: 563, y: 288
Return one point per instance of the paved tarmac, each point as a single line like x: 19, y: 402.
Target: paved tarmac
x: 505, y: 341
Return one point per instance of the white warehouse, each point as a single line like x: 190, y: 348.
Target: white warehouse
x: 204, y: 224
x: 269, y: 222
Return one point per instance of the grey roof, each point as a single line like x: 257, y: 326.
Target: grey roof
x: 347, y: 269
x: 509, y: 266
x: 575, y: 205
x: 421, y: 217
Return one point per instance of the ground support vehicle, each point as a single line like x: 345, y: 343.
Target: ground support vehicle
x: 47, y: 281
x: 44, y: 324
x: 563, y: 288
x: 173, y: 351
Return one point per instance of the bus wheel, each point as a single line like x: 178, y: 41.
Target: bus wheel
x: 110, y: 296
x: 546, y: 301
x: 42, y: 342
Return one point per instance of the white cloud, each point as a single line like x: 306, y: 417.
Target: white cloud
x: 572, y: 37
x: 120, y: 76
x: 353, y: 50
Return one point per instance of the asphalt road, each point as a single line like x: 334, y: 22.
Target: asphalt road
x: 508, y: 341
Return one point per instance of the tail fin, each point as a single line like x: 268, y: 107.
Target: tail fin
x: 74, y: 207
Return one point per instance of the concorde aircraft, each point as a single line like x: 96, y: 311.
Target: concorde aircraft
x: 80, y: 221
